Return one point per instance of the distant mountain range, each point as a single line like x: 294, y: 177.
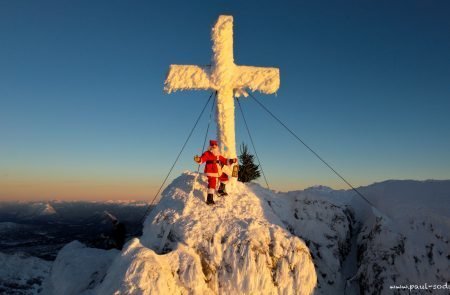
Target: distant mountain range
x: 68, y: 211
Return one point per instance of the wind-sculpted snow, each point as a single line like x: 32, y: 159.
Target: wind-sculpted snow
x: 251, y: 242
x: 326, y: 228
x: 242, y: 246
x: 356, y: 250
x: 412, y: 248
x: 238, y: 246
x: 78, y: 269
x: 418, y: 255
x: 21, y: 274
x: 226, y: 78
x: 140, y: 270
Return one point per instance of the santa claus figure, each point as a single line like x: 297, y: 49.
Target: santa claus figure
x: 213, y: 169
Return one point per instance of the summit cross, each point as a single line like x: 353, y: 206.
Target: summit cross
x: 224, y: 77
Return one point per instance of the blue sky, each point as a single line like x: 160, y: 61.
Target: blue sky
x: 83, y: 115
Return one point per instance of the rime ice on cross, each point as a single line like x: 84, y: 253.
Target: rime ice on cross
x: 225, y: 77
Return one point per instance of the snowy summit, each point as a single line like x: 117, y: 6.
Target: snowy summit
x: 256, y: 241
x: 238, y: 246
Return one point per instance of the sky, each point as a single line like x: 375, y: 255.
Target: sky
x: 83, y: 115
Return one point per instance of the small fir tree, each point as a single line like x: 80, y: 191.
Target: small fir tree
x: 248, y: 170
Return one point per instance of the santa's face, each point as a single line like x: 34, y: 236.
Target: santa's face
x: 214, y: 149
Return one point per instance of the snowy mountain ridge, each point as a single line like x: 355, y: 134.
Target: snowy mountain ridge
x: 22, y: 274
x: 39, y: 210
x: 317, y: 241
x: 237, y: 246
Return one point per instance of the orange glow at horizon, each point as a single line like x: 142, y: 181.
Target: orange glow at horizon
x: 51, y: 189
x: 35, y: 188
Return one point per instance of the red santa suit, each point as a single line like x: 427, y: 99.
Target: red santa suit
x: 213, y: 167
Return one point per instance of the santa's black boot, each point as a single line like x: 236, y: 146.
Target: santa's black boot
x: 210, y: 199
x: 221, y: 191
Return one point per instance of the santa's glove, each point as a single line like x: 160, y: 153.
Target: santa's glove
x: 232, y: 161
x: 197, y: 159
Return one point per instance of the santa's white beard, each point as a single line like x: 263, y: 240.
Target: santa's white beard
x: 215, y: 150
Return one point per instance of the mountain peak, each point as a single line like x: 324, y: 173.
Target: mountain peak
x: 237, y: 246
x: 248, y: 243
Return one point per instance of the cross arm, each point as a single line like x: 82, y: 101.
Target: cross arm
x: 187, y: 77
x: 265, y: 80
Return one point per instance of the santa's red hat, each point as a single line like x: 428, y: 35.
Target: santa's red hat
x: 213, y: 142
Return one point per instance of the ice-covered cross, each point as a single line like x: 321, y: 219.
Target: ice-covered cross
x: 225, y: 77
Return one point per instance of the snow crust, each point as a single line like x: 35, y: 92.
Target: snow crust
x: 140, y: 270
x: 243, y: 246
x: 20, y: 273
x: 188, y: 77
x: 78, y: 269
x: 407, y: 245
x: 325, y: 226
x: 225, y: 123
x: 413, y: 246
x: 252, y: 243
x: 224, y: 77
x: 223, y: 72
x: 238, y: 246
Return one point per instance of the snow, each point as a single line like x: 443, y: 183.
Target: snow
x: 77, y: 269
x: 225, y: 77
x: 36, y: 209
x: 243, y: 245
x: 140, y: 270
x: 238, y: 246
x: 324, y: 223
x: 20, y: 274
x: 257, y: 241
x: 404, y: 199
x: 187, y: 77
x: 47, y: 210
x: 413, y: 247
x: 264, y: 80
x: 226, y: 122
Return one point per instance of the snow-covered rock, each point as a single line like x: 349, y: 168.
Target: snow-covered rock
x: 411, y: 247
x: 241, y: 243
x: 357, y: 249
x: 251, y: 242
x: 21, y: 274
x: 140, y: 270
x: 326, y: 228
x: 36, y: 210
x: 78, y: 269
x: 238, y: 246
